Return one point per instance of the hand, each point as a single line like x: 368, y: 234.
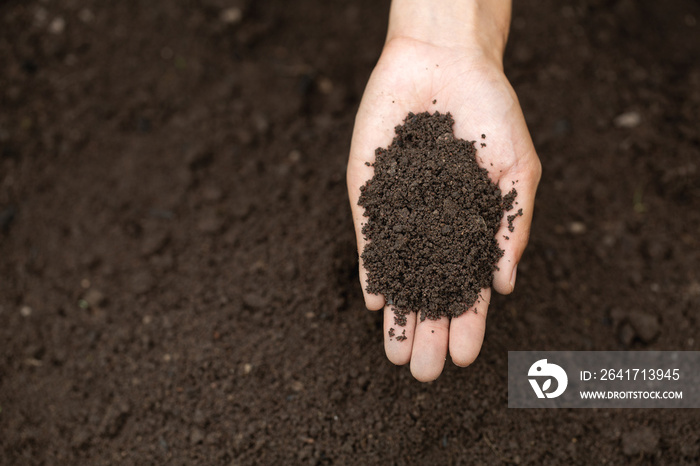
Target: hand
x: 409, y: 76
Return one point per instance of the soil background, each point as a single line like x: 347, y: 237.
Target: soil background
x: 178, y: 276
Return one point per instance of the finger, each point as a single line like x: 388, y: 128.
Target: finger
x: 359, y: 171
x: 373, y: 302
x: 398, y: 349
x: 518, y: 219
x: 429, y: 348
x: 467, y: 331
x: 358, y: 174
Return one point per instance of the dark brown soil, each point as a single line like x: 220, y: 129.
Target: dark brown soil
x: 187, y: 163
x: 432, y: 216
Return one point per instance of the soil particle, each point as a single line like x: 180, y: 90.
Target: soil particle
x: 241, y: 209
x: 231, y: 15
x: 142, y: 282
x: 6, y: 217
x: 639, y: 325
x: 196, y: 436
x: 199, y: 418
x: 511, y: 218
x: 255, y: 301
x: 577, y: 228
x: 114, y: 419
x: 94, y: 298
x: 213, y: 438
x: 57, y: 26
x: 643, y: 440
x: 81, y: 438
x: 645, y: 325
x: 628, y: 120
x: 210, y: 223
x: 626, y: 334
x: 198, y: 157
x: 432, y: 218
x: 212, y: 194
x: 297, y: 386
x: 154, y: 242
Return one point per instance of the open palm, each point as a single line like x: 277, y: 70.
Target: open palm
x: 413, y: 76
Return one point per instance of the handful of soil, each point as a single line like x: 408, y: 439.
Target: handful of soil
x: 433, y: 214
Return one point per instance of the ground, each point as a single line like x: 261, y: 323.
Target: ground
x: 178, y: 276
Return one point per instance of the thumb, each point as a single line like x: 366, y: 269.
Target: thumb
x: 514, y: 231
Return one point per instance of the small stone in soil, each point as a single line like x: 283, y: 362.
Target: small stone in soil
x: 94, y: 298
x: 196, y: 436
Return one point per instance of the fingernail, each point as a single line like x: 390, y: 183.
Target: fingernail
x: 512, y: 277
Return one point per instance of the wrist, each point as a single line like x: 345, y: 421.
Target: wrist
x: 480, y: 26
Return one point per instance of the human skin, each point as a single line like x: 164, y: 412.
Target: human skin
x: 450, y: 52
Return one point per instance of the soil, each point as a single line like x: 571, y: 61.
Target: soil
x: 178, y: 273
x: 432, y: 216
